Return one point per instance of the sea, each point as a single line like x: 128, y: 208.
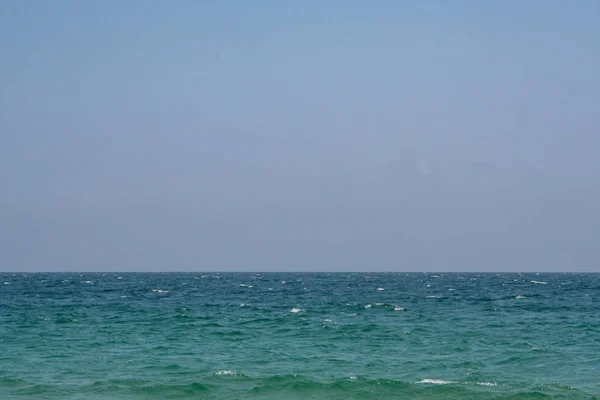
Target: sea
x: 299, y: 336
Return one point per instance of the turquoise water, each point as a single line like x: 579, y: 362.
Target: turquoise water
x: 299, y: 336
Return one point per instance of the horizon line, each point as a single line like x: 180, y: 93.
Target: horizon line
x: 299, y: 272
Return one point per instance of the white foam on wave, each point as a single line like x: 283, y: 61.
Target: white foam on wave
x: 353, y: 377
x: 433, y: 297
x: 89, y: 282
x: 520, y: 297
x: 7, y: 283
x: 380, y: 289
x: 245, y: 285
x: 539, y: 282
x: 226, y: 372
x: 487, y: 384
x: 435, y: 381
x: 368, y: 306
x: 380, y: 304
x: 243, y: 305
x: 160, y: 291
x: 296, y: 310
x: 399, y: 308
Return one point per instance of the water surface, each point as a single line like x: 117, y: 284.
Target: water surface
x: 304, y: 336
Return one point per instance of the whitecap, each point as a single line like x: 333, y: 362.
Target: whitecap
x: 245, y: 305
x: 353, y: 377
x: 283, y: 282
x: 226, y: 372
x: 487, y: 383
x: 7, y: 283
x: 520, y: 297
x: 160, y: 291
x: 540, y: 282
x: 433, y: 297
x: 296, y: 310
x: 245, y: 285
x: 380, y: 304
x: 368, y: 306
x: 119, y: 277
x: 399, y: 308
x: 380, y: 289
x: 435, y: 381
x: 89, y: 282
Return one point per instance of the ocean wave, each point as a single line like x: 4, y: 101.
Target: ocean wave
x: 232, y: 384
x: 228, y: 372
x: 435, y: 381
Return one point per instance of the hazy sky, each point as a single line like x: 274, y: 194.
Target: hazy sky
x: 306, y: 135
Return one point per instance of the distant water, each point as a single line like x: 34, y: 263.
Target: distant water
x: 299, y: 336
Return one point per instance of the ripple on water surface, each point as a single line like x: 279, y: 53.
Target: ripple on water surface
x: 275, y: 335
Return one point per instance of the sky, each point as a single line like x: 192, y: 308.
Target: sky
x: 306, y: 136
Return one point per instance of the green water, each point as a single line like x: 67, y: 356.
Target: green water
x: 299, y: 336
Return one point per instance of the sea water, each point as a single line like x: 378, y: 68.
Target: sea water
x: 299, y: 336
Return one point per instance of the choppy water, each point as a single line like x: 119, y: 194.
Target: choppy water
x: 299, y: 336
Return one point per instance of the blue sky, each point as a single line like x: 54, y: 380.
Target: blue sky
x: 271, y: 135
